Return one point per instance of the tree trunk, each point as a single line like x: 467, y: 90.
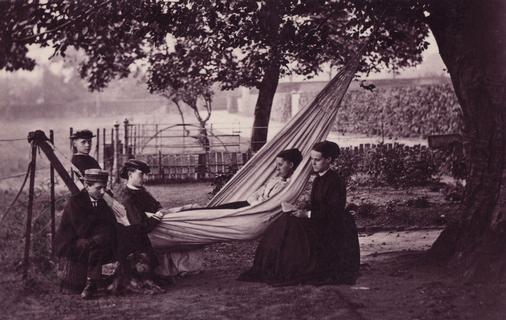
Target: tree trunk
x: 263, y: 106
x: 271, y: 20
x: 470, y: 36
x: 204, y: 137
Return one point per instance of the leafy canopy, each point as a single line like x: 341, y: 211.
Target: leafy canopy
x: 230, y: 42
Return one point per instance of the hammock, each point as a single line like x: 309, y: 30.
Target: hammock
x: 204, y: 226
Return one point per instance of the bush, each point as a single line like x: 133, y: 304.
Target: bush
x: 396, y: 166
x: 409, y: 111
x: 399, y: 166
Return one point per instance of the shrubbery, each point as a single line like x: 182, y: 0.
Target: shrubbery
x: 394, y: 166
x: 404, y: 111
x: 399, y: 166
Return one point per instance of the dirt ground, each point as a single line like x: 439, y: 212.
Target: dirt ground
x: 397, y: 280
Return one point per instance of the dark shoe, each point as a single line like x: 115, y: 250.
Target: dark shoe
x: 164, y: 281
x: 89, y: 289
x: 151, y: 287
x: 116, y: 287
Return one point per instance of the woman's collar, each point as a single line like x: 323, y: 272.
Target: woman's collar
x: 131, y: 187
x: 321, y: 174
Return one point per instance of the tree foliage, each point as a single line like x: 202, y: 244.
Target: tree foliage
x: 247, y: 35
x: 238, y: 43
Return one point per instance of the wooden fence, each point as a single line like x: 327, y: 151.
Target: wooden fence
x: 115, y: 145
x: 171, y: 151
x: 191, y: 167
x: 367, y: 146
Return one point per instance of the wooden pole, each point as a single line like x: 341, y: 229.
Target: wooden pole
x: 103, y: 148
x: 134, y: 149
x: 156, y: 136
x: 71, y: 132
x: 98, y: 145
x: 116, y: 153
x: 28, y: 229
x: 125, y: 139
x: 53, y: 200
x: 160, y: 166
x: 111, y: 167
x: 143, y: 133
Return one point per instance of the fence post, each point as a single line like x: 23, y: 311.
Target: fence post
x: 71, y: 131
x: 103, y: 148
x: 111, y: 169
x: 141, y: 138
x: 28, y: 229
x: 97, y: 147
x: 116, y: 153
x: 156, y: 137
x: 134, y: 142
x: 53, y: 206
x: 160, y: 166
x: 125, y: 140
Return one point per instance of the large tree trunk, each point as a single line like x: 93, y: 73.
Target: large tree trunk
x: 271, y: 20
x: 263, y: 106
x: 471, y: 39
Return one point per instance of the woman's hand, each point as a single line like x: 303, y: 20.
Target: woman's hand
x: 158, y: 215
x: 300, y: 213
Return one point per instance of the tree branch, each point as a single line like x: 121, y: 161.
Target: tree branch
x: 63, y: 25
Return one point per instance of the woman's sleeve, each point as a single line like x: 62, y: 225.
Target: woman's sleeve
x: 150, y: 223
x: 256, y: 196
x: 280, y: 185
x: 138, y: 218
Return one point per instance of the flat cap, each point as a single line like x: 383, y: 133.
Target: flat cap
x: 134, y: 164
x: 95, y: 175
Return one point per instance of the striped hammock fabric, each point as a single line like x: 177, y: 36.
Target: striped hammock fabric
x: 204, y: 226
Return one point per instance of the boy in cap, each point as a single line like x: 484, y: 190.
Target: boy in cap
x: 87, y: 230
x: 81, y: 144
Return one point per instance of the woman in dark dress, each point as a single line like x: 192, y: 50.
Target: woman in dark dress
x: 316, y: 246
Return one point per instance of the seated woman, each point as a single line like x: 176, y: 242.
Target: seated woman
x: 286, y: 163
x: 319, y: 246
x: 81, y: 145
x: 142, y: 212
